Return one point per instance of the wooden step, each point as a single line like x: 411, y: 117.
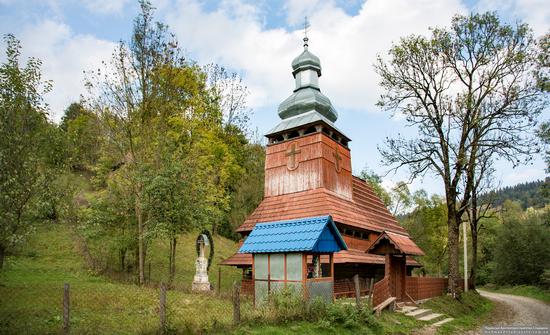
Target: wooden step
x: 430, y: 317
x: 418, y: 313
x: 439, y: 323
x: 378, y: 309
x: 407, y: 309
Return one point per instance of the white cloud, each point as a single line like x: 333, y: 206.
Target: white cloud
x: 64, y: 57
x: 105, y: 6
x: 347, y: 45
x: 522, y: 175
x: 535, y: 12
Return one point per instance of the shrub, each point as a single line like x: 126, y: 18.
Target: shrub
x: 287, y: 305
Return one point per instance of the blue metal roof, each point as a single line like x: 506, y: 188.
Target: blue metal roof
x: 313, y: 234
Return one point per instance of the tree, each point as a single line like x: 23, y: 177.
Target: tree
x: 375, y: 181
x: 401, y: 198
x: 23, y: 133
x: 230, y: 94
x: 83, y: 136
x: 470, y: 91
x: 543, y: 69
x: 426, y: 224
x: 480, y: 208
x: 523, y: 249
x: 127, y: 96
x: 544, y: 135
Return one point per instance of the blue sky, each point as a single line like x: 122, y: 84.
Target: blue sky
x: 258, y: 40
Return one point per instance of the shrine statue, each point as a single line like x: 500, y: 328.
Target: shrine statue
x: 200, y: 281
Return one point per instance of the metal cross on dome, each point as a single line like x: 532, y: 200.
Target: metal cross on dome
x: 306, y: 26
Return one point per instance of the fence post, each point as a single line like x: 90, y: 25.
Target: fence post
x: 236, y: 304
x: 162, y: 308
x: 219, y: 280
x: 371, y: 291
x: 66, y: 309
x: 357, y: 291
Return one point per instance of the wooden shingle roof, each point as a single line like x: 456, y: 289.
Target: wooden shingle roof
x: 400, y: 242
x: 365, y: 210
x: 344, y: 256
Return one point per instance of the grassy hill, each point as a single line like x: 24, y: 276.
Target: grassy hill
x: 31, y: 290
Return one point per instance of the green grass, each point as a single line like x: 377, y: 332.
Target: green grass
x: 31, y: 291
x: 469, y: 312
x: 157, y: 261
x: 388, y: 323
x: 522, y: 290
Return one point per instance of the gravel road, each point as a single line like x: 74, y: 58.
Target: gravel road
x: 509, y: 310
x: 513, y: 310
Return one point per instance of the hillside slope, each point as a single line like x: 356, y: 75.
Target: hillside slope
x: 31, y: 291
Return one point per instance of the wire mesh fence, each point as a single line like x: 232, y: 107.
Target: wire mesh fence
x: 113, y: 308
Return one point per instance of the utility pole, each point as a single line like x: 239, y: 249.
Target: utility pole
x: 465, y: 238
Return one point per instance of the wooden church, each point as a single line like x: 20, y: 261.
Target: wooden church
x: 308, y: 175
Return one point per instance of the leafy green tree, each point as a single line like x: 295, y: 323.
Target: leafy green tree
x: 543, y: 68
x: 127, y: 97
x: 401, y: 198
x: 375, y: 181
x: 544, y: 135
x: 82, y: 129
x: 426, y: 224
x: 23, y: 135
x: 247, y: 190
x: 470, y: 92
x: 522, y: 252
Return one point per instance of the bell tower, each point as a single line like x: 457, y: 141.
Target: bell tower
x: 305, y: 150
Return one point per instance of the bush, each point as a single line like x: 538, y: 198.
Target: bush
x: 288, y: 306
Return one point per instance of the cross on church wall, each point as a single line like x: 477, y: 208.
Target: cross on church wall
x: 337, y: 159
x: 291, y: 154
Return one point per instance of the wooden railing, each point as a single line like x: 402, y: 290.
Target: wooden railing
x: 346, y: 287
x: 381, y: 291
x: 247, y: 287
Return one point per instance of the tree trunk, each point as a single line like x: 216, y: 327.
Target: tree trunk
x: 2, y: 251
x: 141, y: 254
x: 452, y: 246
x: 172, y: 264
x: 122, y: 255
x: 473, y: 271
x: 474, y: 221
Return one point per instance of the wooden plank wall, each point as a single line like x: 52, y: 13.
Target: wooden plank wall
x: 316, y: 166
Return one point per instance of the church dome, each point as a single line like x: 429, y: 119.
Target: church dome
x: 305, y: 100
x: 306, y: 60
x: 307, y: 97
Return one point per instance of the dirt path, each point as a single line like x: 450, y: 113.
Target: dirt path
x: 509, y: 310
x: 513, y: 310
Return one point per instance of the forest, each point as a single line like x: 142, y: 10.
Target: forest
x: 161, y: 146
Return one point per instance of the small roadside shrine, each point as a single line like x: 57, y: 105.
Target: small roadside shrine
x: 294, y: 254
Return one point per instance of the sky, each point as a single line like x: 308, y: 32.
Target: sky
x: 258, y: 40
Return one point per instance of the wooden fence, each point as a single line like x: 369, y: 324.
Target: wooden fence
x: 381, y: 291
x: 247, y: 287
x: 346, y: 287
x: 420, y: 288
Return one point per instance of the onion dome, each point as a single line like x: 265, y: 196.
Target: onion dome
x: 306, y: 109
x: 307, y: 96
